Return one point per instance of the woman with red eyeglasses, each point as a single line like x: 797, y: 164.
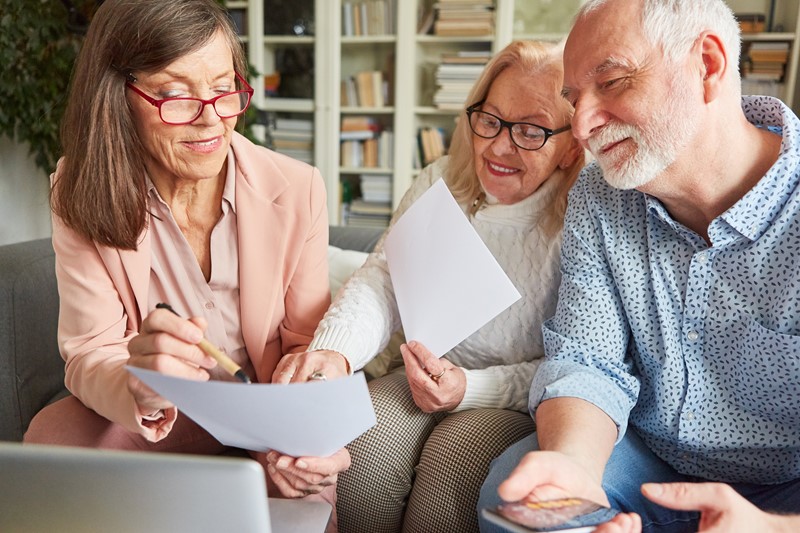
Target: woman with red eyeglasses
x: 158, y: 199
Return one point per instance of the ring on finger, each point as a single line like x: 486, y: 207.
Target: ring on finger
x: 318, y: 376
x: 438, y: 376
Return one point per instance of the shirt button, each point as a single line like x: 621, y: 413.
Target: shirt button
x: 689, y: 416
x: 703, y: 258
x: 209, y: 305
x: 692, y: 335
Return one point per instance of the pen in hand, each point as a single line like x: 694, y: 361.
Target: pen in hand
x: 219, y: 356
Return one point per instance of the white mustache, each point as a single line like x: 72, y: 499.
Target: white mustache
x: 611, y: 133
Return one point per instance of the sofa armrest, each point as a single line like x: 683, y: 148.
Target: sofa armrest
x: 31, y: 369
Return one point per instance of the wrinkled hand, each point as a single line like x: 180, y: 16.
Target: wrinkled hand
x: 722, y: 508
x: 432, y: 393
x: 297, y: 367
x: 544, y: 475
x: 167, y: 344
x: 301, y: 476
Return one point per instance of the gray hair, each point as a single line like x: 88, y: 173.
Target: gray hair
x: 674, y: 25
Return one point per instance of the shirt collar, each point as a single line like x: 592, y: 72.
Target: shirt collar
x: 756, y: 210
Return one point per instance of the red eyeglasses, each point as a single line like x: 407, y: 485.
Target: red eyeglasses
x: 181, y: 110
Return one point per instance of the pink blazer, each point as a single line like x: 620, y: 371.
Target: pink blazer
x: 283, y: 277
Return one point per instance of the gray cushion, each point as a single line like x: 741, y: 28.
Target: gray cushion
x: 31, y: 369
x: 352, y: 238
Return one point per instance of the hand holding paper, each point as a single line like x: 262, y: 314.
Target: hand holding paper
x: 299, y: 419
x: 446, y: 281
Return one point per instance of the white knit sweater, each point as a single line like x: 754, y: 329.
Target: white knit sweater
x: 500, y: 358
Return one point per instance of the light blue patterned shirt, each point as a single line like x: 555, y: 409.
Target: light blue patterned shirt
x: 697, y: 347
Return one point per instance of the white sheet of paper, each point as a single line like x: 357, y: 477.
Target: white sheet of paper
x: 299, y: 419
x: 446, y: 281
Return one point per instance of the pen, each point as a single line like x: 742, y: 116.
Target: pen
x: 219, y: 356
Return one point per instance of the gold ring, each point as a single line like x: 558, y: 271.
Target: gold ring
x: 438, y: 376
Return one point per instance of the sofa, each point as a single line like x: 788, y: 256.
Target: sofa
x: 32, y: 376
x: 31, y: 369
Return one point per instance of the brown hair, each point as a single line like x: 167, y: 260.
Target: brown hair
x: 536, y: 59
x: 100, y: 188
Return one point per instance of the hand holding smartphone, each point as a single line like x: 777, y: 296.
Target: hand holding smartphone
x: 565, y: 515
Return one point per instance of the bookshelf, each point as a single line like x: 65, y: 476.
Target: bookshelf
x: 331, y: 50
x: 776, y: 30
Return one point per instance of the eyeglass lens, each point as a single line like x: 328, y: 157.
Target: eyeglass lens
x: 182, y: 110
x: 526, y: 136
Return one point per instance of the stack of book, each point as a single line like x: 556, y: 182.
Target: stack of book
x: 766, y: 61
x: 365, y: 89
x: 431, y: 146
x: 364, y: 143
x: 464, y: 17
x: 455, y: 77
x: 368, y: 17
x: 294, y: 137
x: 751, y: 22
x: 374, y: 208
x: 376, y: 188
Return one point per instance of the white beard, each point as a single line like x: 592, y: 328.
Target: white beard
x: 657, y: 145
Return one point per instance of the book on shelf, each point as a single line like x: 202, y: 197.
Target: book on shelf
x: 293, y: 137
x: 766, y: 60
x: 431, y: 144
x: 294, y: 124
x: 376, y: 188
x: 364, y: 89
x: 364, y: 143
x: 368, y: 17
x: 368, y: 214
x: 464, y: 18
x: 354, y: 128
x: 455, y: 76
x: 751, y: 22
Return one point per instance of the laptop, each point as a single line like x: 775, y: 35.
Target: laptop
x: 55, y: 488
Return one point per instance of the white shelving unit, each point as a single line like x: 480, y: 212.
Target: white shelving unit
x: 785, y: 28
x: 415, y: 59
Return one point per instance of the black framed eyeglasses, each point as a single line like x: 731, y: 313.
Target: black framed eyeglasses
x: 184, y: 110
x: 524, y: 134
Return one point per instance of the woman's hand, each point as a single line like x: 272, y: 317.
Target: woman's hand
x: 299, y: 477
x: 298, y: 367
x: 436, y: 384
x: 167, y: 344
x: 547, y: 475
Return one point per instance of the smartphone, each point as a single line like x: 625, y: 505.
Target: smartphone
x: 565, y: 515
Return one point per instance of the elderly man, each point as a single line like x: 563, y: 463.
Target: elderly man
x: 674, y: 354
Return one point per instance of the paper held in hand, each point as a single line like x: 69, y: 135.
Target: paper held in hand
x: 299, y: 419
x: 446, y: 281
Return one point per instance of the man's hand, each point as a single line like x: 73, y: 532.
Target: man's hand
x: 545, y: 475
x: 436, y: 384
